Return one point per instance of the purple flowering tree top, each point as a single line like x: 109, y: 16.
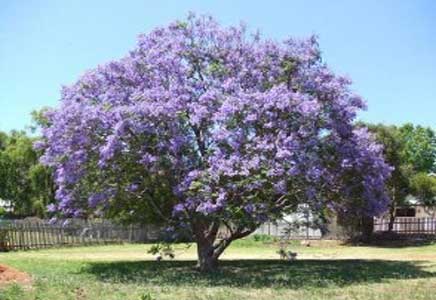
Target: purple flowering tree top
x: 211, y: 128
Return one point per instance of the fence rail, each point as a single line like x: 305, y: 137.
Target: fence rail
x: 22, y: 234
x: 282, y: 229
x: 407, y: 225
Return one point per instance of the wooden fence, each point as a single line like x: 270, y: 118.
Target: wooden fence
x: 282, y: 229
x: 407, y: 225
x: 23, y: 234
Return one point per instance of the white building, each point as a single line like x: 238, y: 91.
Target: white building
x: 6, y: 205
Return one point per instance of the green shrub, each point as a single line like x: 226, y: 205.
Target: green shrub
x: 4, y: 239
x: 264, y: 238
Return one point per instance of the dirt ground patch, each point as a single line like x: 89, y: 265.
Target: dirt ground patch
x: 10, y: 275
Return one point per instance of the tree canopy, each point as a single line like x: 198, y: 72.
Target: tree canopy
x: 419, y: 150
x: 411, y: 151
x: 211, y: 128
x: 23, y: 180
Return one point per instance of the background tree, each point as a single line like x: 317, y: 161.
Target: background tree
x: 212, y: 128
x: 39, y: 119
x: 398, y: 185
x: 419, y: 149
x: 23, y: 181
x: 412, y: 152
x: 423, y: 186
x: 420, y: 153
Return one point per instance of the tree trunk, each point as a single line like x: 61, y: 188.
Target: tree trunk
x: 391, y: 220
x: 207, y: 258
x: 367, y: 228
x: 392, y: 212
x: 209, y: 248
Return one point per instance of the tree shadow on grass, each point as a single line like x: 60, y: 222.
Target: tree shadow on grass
x: 259, y: 273
x: 394, y: 240
x: 397, y: 244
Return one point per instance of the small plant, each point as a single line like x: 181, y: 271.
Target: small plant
x: 147, y: 296
x: 161, y: 251
x: 286, y: 254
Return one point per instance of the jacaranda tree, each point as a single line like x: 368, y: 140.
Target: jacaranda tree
x: 214, y: 130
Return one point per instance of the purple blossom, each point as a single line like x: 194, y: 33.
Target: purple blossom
x: 308, y: 108
x: 147, y: 159
x: 133, y: 187
x: 96, y: 199
x: 53, y: 220
x: 249, y: 208
x: 281, y: 187
x: 203, y: 112
x: 51, y: 207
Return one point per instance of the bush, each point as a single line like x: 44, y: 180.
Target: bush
x: 4, y: 240
x: 264, y: 238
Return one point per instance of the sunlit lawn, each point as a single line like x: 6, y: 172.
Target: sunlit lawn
x: 249, y: 270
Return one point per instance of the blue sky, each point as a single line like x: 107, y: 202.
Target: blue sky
x: 387, y: 47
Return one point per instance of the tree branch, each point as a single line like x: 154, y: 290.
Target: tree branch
x: 155, y: 206
x: 224, y: 243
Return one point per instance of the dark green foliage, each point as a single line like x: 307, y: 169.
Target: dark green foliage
x: 393, y: 144
x: 411, y: 150
x: 4, y: 240
x: 23, y: 181
x: 424, y: 187
x: 419, y: 148
x: 265, y: 238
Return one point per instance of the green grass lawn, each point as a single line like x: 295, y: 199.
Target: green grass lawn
x: 249, y: 270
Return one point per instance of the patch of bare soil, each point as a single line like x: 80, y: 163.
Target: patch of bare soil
x: 9, y: 275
